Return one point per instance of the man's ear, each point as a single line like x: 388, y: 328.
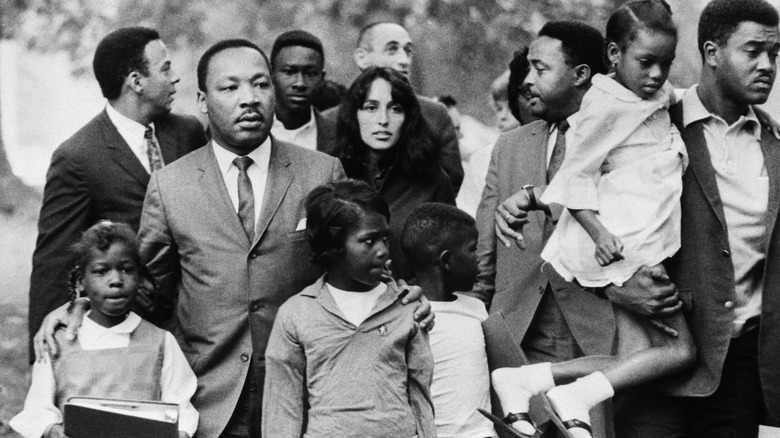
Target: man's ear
x: 581, y: 75
x: 710, y: 51
x: 202, y: 102
x: 445, y: 260
x: 135, y: 81
x: 360, y: 55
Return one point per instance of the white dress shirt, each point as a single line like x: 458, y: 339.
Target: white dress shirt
x: 257, y: 173
x: 133, y: 134
x: 304, y: 136
x: 178, y: 382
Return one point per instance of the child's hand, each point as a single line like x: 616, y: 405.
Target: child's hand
x: 608, y: 247
x: 55, y: 431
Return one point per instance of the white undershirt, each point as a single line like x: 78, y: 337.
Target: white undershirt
x: 356, y: 306
x: 305, y: 136
x: 132, y: 133
x: 257, y: 172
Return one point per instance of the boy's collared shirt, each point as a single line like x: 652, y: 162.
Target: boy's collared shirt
x: 178, y: 382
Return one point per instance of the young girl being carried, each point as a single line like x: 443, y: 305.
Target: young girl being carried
x: 345, y: 357
x: 118, y: 355
x: 621, y: 182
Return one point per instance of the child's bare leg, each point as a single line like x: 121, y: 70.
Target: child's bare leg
x: 666, y: 355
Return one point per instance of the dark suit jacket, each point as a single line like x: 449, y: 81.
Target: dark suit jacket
x: 703, y: 267
x: 444, y: 136
x: 226, y: 290
x: 93, y: 175
x: 513, y: 277
x: 326, y: 133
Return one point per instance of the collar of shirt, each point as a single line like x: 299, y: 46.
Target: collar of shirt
x: 92, y: 334
x: 261, y: 156
x: 694, y: 110
x: 132, y: 133
x: 258, y: 173
x: 298, y: 135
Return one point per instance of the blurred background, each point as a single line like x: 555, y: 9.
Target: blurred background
x: 47, y: 90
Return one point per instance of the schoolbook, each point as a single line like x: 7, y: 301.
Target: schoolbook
x: 87, y: 417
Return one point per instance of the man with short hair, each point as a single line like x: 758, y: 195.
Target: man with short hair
x: 387, y: 44
x: 102, y: 171
x: 550, y: 318
x: 297, y: 62
x: 729, y: 258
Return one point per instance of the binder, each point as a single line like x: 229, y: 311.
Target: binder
x: 89, y: 417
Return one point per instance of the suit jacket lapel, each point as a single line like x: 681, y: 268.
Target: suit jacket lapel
x: 700, y: 163
x: 213, y: 185
x: 771, y: 149
x: 121, y: 152
x: 538, y: 151
x: 279, y: 178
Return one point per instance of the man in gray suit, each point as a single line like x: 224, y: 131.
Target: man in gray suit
x: 550, y: 318
x: 224, y: 233
x: 387, y: 44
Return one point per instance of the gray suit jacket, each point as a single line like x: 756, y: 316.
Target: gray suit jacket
x: 703, y: 267
x: 512, y: 277
x: 224, y: 290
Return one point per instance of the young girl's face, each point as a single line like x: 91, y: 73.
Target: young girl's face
x: 644, y: 64
x: 110, y: 280
x: 359, y: 268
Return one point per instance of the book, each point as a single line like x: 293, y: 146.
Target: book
x: 88, y: 417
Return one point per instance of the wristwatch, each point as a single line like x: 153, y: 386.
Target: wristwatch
x: 529, y: 188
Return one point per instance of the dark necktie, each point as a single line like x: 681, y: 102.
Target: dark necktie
x: 153, y: 151
x: 559, y: 150
x: 246, y: 197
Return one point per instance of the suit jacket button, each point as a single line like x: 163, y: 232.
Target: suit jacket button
x: 728, y: 304
x: 253, y: 255
x: 725, y: 253
x: 255, y: 306
x: 244, y: 357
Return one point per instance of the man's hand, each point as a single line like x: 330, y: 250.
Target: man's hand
x: 511, y: 216
x: 423, y: 314
x: 648, y: 293
x: 608, y: 249
x: 69, y: 315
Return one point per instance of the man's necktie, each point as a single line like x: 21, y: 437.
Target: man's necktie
x: 153, y: 151
x: 559, y: 150
x: 246, y: 197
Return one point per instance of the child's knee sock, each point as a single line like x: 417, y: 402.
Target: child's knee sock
x: 516, y: 386
x: 575, y: 400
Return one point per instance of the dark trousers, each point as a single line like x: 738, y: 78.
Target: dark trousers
x: 734, y: 410
x: 245, y: 421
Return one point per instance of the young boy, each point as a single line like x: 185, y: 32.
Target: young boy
x: 440, y: 242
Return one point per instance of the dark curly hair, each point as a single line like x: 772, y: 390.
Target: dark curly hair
x: 333, y: 210
x: 720, y: 18
x: 581, y: 44
x: 432, y: 228
x: 100, y: 237
x: 220, y: 46
x: 414, y: 152
x: 120, y: 53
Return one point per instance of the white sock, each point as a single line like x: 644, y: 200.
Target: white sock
x: 516, y: 386
x: 575, y: 400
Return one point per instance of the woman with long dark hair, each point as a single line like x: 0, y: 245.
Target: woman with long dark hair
x: 384, y: 141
